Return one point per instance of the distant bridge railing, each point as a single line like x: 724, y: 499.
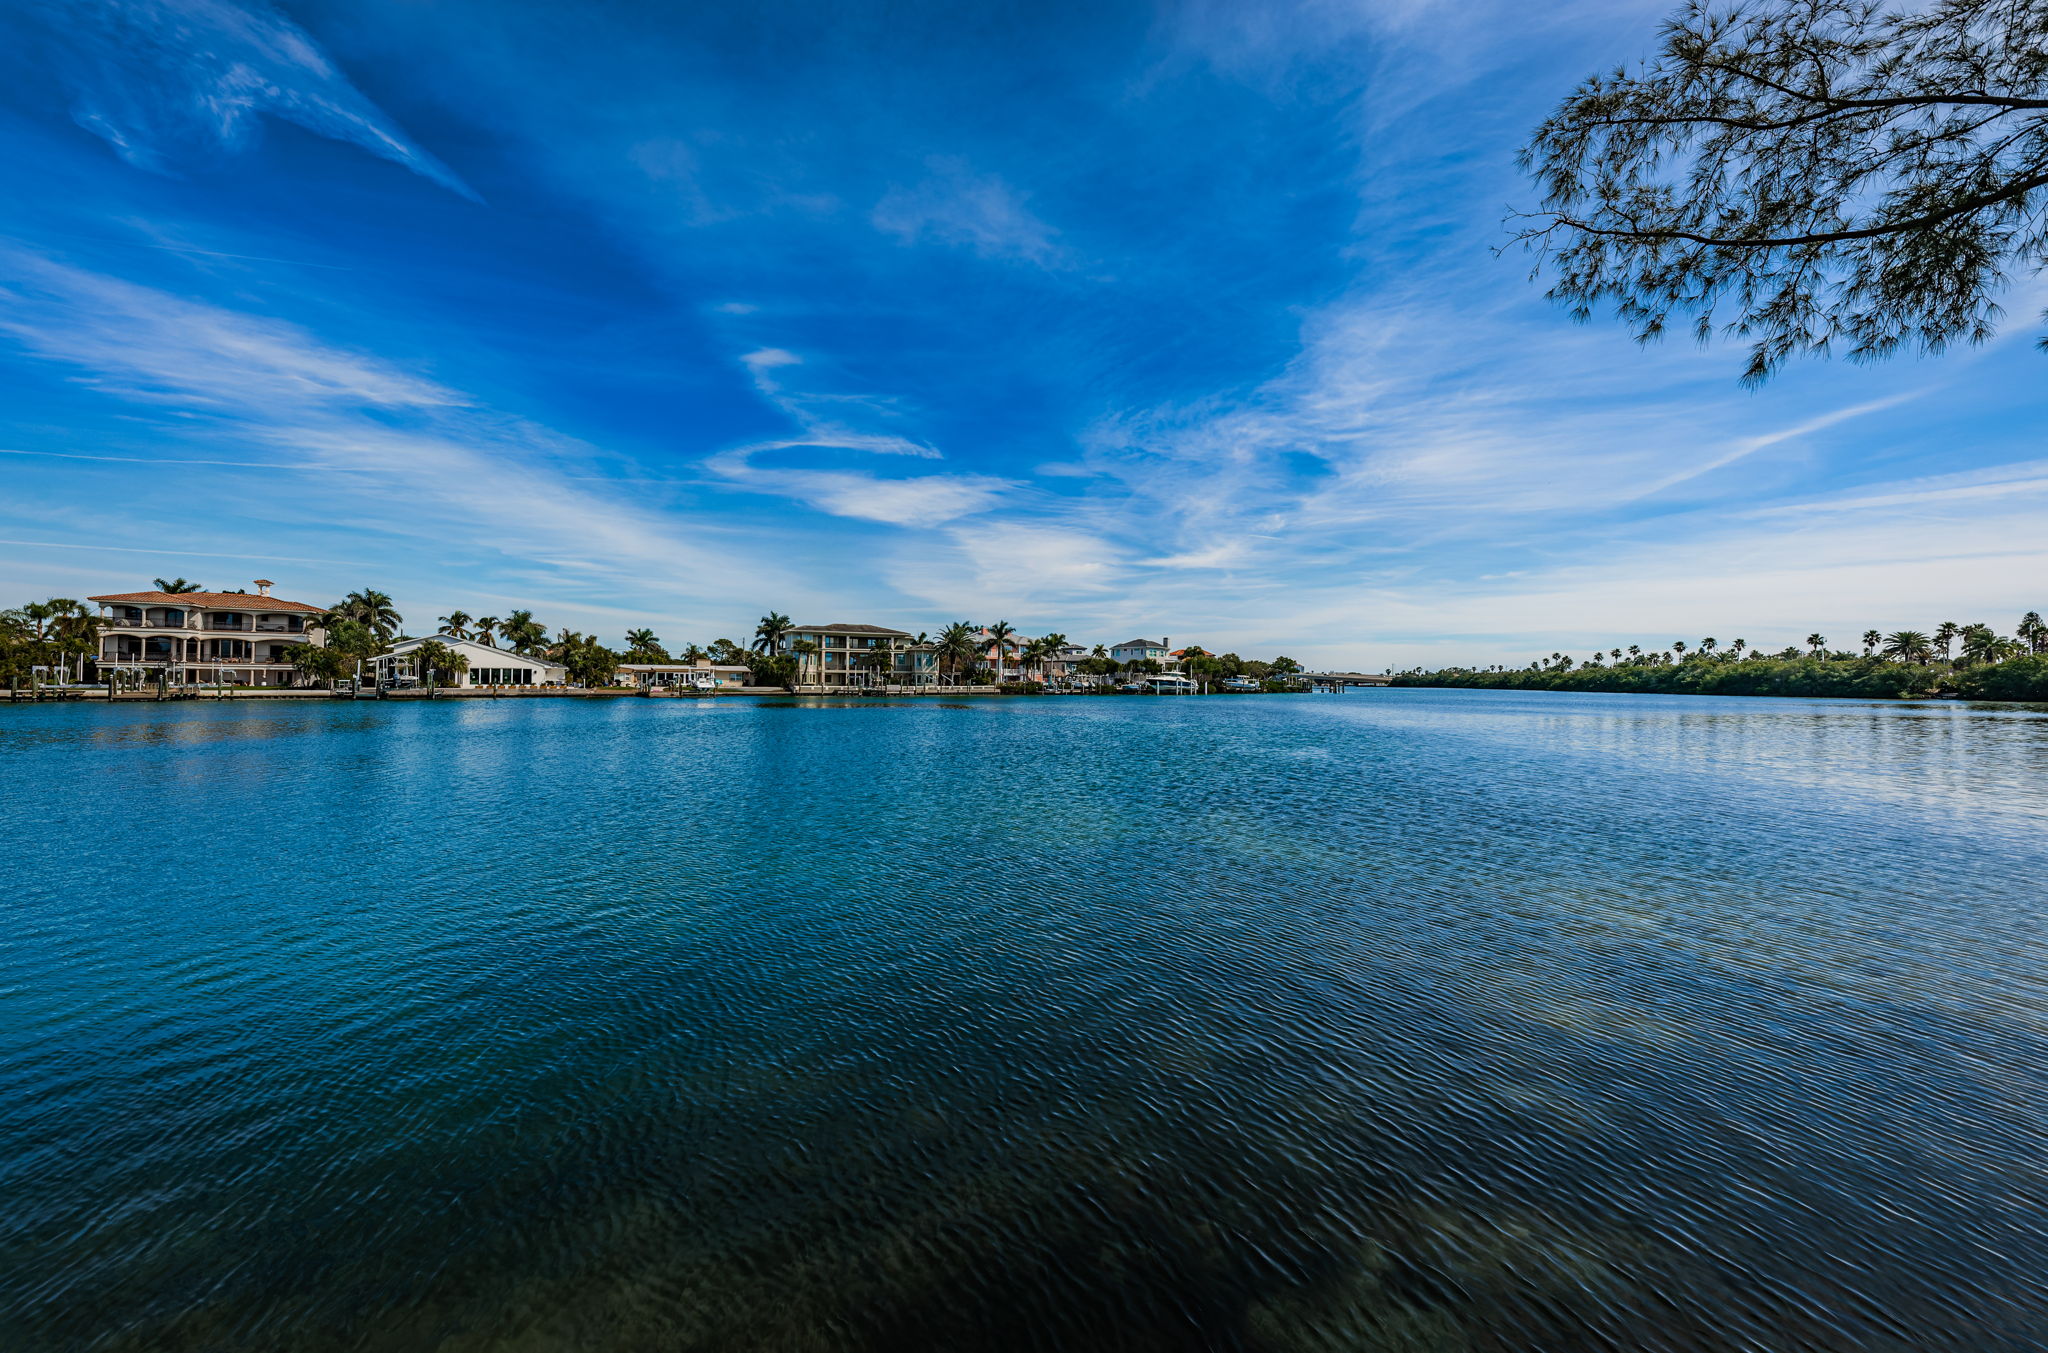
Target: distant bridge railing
x: 1337, y: 679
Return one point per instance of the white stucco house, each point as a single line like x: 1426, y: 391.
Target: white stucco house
x: 488, y: 666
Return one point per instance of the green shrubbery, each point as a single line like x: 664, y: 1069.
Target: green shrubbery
x: 772, y: 669
x: 1870, y: 678
x: 2014, y: 679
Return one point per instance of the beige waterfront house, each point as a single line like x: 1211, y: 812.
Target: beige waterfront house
x: 852, y: 656
x: 205, y: 638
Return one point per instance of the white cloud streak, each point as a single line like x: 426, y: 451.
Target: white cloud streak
x: 902, y: 500
x: 960, y: 208
x: 163, y: 80
x: 404, y: 454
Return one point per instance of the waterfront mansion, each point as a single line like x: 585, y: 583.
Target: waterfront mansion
x: 205, y: 638
x: 860, y: 655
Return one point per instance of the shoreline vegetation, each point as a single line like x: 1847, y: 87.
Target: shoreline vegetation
x: 1969, y: 662
x: 61, y: 636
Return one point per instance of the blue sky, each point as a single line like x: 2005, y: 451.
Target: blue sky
x: 1116, y: 319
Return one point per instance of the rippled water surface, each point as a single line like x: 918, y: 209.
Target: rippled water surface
x: 1399, y: 1019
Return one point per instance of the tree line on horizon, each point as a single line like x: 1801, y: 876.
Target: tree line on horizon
x: 1972, y: 660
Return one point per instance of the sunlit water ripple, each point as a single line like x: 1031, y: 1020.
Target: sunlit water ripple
x: 1401, y: 1019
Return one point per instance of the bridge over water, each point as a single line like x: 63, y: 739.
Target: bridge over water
x: 1345, y: 680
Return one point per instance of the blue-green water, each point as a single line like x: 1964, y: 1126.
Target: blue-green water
x: 1400, y: 1019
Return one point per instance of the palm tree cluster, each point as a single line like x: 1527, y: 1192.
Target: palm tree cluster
x: 1973, y: 660
x: 371, y: 609
x: 589, y: 662
x: 60, y: 635
x: 1949, y: 642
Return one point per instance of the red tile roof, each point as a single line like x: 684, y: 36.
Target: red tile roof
x: 222, y: 601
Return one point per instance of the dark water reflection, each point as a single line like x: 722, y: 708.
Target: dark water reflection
x: 1403, y: 1020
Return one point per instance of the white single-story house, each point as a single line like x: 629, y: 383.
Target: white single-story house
x: 487, y: 666
x: 723, y: 676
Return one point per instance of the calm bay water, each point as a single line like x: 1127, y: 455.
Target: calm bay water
x: 1400, y: 1019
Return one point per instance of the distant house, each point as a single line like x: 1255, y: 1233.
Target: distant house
x: 646, y: 675
x: 1059, y: 668
x: 205, y: 638
x: 852, y: 656
x: 487, y: 666
x: 1137, y: 650
x: 1054, y: 668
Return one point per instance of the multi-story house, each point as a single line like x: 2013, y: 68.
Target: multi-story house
x: 1051, y: 669
x: 1060, y: 667
x: 1057, y: 667
x: 1137, y: 650
x: 852, y: 656
x: 205, y: 638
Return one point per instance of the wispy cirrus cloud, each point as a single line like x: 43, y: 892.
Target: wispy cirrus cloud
x: 163, y: 81
x: 956, y: 206
x: 144, y: 343
x: 916, y: 500
x: 392, y: 450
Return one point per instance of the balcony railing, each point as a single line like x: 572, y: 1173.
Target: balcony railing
x: 143, y: 623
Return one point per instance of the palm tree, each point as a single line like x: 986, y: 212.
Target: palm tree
x: 999, y: 637
x: 2033, y: 632
x: 1909, y: 646
x: 373, y: 611
x: 1635, y: 651
x: 1945, y: 634
x: 643, y: 643
x: 773, y: 629
x: 64, y: 628
x: 483, y: 628
x: 1737, y: 647
x: 456, y: 624
x: 1816, y: 642
x: 1678, y: 647
x: 1871, y: 639
x: 175, y: 585
x: 436, y: 662
x: 1709, y: 645
x: 690, y: 653
x: 519, y: 630
x: 881, y: 658
x: 806, y: 649
x: 1033, y: 654
x: 1981, y: 643
x: 955, y: 646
